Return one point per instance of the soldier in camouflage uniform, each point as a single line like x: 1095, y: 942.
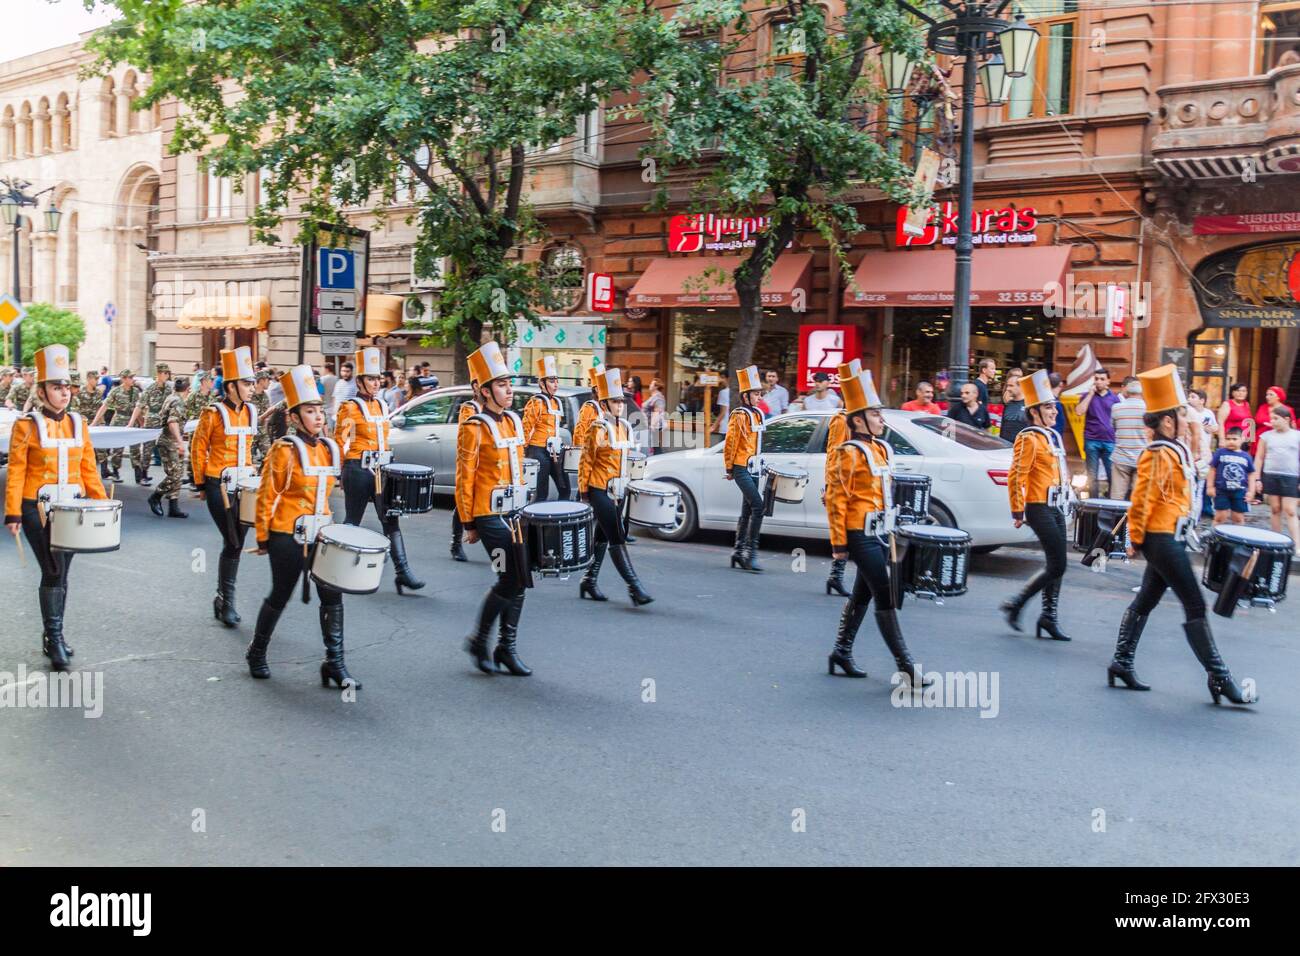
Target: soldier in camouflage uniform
x: 148, y: 414
x: 201, y: 396
x: 120, y: 403
x: 85, y: 402
x: 6, y: 383
x: 171, y: 449
x: 262, y: 402
x: 21, y: 390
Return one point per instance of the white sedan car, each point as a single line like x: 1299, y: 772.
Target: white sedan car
x: 967, y: 469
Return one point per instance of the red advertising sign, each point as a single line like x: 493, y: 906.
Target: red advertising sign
x: 1293, y: 277
x: 992, y: 227
x: 1117, y: 311
x: 1246, y: 223
x: 823, y: 348
x: 600, y: 291
x: 699, y: 232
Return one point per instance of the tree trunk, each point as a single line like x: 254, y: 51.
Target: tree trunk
x: 460, y: 350
x: 749, y: 290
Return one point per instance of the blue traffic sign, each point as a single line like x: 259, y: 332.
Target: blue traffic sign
x: 336, y: 269
x: 110, y: 313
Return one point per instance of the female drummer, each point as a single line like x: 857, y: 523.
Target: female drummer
x: 857, y: 506
x: 742, y: 456
x: 292, y: 506
x: 543, y: 416
x: 589, y: 411
x: 468, y: 409
x: 1158, y: 520
x: 602, y: 481
x: 39, y: 473
x: 1040, y: 496
x: 362, y: 432
x: 221, y: 456
x: 837, y: 433
x: 489, y: 489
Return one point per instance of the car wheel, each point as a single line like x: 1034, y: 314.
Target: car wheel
x: 985, y: 549
x: 940, y: 515
x: 687, y: 518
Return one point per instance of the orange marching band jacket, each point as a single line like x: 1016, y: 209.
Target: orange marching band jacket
x: 858, y: 487
x: 604, y: 457
x: 542, y: 418
x: 297, y: 479
x: 50, y: 458
x: 589, y: 412
x: 362, y: 432
x: 1037, y: 474
x: 489, y: 466
x: 223, y: 440
x: 1162, y: 490
x: 744, y: 437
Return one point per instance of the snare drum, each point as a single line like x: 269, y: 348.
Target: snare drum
x: 912, y: 495
x: 1093, y: 515
x: 934, y: 560
x: 1268, y: 580
x: 636, y: 464
x: 788, y: 483
x: 532, y: 468
x: 654, y: 504
x: 408, y: 489
x: 349, y: 559
x: 559, y: 535
x: 86, y: 525
x: 248, y: 500
x: 572, y: 456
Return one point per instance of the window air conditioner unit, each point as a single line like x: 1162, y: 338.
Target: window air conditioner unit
x: 411, y: 312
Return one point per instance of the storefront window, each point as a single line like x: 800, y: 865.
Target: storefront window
x: 1047, y: 90
x: 1279, y: 33
x: 1210, y: 364
x: 701, y: 341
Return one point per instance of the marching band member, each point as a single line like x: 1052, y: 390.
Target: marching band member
x: 589, y: 411
x: 1040, y: 494
x: 50, y: 458
x: 221, y: 455
x: 468, y: 409
x: 489, y: 489
x: 543, y: 416
x: 1159, y: 519
x: 837, y: 433
x: 860, y: 510
x: 292, y: 507
x: 742, y: 456
x: 362, y: 431
x: 602, y: 481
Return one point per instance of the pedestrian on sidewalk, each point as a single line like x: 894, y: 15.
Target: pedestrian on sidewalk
x: 1277, y: 470
x: 1098, y: 432
x: 1230, y: 478
x: 1130, y: 438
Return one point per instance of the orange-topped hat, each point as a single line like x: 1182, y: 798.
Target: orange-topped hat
x: 1162, y: 389
x: 237, y: 364
x: 747, y: 379
x: 300, y: 387
x: 860, y: 392
x: 1037, y: 389
x: 488, y: 364
x: 609, y: 385
x: 52, y: 364
x: 545, y: 367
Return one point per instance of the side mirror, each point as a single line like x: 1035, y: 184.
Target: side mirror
x: 398, y: 421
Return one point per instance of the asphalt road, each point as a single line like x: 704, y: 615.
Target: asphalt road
x: 748, y: 753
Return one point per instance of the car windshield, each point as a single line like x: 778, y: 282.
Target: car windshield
x: 961, y: 433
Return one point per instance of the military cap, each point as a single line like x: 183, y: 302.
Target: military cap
x: 126, y: 373
x: 162, y: 367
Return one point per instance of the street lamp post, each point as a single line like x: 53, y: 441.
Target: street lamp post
x: 974, y: 30
x: 13, y: 197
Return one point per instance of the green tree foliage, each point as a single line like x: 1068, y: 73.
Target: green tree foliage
x: 777, y: 142
x: 349, y: 101
x: 47, y: 325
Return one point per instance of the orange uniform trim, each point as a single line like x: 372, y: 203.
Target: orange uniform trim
x: 601, y: 463
x: 212, y: 451
x: 1033, y: 471
x: 467, y: 411
x: 481, y: 466
x: 852, y: 491
x: 837, y: 433
x: 742, y: 440
x: 286, y: 494
x: 1161, y: 494
x: 354, y: 434
x: 539, y: 420
x: 31, y: 466
x: 589, y: 412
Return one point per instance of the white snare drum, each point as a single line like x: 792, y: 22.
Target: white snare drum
x: 85, y: 525
x: 248, y: 500
x: 571, y: 458
x: 636, y: 464
x: 349, y: 559
x: 788, y: 483
x: 654, y: 503
x: 532, y: 467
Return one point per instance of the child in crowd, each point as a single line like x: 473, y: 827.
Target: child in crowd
x: 1229, y: 476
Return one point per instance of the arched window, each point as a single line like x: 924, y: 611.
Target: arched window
x: 8, y: 137
x: 44, y: 127
x: 63, y: 123
x: 131, y: 92
x: 564, y: 270
x: 25, y: 131
x: 108, y: 108
x: 68, y: 257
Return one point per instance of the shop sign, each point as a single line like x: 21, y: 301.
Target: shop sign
x: 1251, y: 287
x: 991, y: 227
x: 823, y: 348
x: 1117, y: 311
x: 705, y: 232
x: 600, y: 292
x: 1246, y: 223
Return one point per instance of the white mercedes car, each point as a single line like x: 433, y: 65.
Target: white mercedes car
x: 967, y: 469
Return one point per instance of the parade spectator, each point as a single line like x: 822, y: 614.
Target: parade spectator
x: 1058, y: 384
x: 655, y: 409
x: 1273, y: 398
x: 1277, y: 470
x: 776, y: 396
x: 635, y: 390
x: 1130, y: 438
x: 345, y: 388
x: 1235, y: 413
x: 723, y: 402
x: 924, y: 401
x: 1013, y: 406
x: 988, y: 371
x: 1230, y: 479
x: 970, y: 409
x: 821, y: 399
x: 1098, y: 432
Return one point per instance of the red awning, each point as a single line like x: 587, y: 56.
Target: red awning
x: 681, y: 282
x: 999, y: 277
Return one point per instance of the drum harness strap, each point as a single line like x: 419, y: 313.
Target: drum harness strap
x: 881, y: 524
x: 757, y: 426
x: 372, y: 460
x: 231, y: 477
x: 619, y: 485
x: 516, y: 479
x: 62, y: 490
x: 554, y: 408
x: 1063, y: 500
x: 1186, y: 529
x: 308, y: 527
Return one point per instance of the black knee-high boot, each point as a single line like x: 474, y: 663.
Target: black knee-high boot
x: 402, y: 576
x: 618, y: 554
x: 1047, y: 621
x: 887, y: 621
x: 1130, y: 632
x: 223, y: 605
x: 476, y: 645
x: 742, y: 540
x: 506, y: 654
x: 835, y: 581
x: 457, y: 536
x: 1220, y: 679
x: 267, y: 618
x: 751, y: 549
x: 52, y: 601
x: 588, y: 588
x: 334, y: 668
x: 842, y: 654
x: 1012, y: 606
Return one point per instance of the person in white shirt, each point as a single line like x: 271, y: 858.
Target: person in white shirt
x: 776, y: 396
x: 822, y: 398
x: 724, y: 403
x: 344, y: 389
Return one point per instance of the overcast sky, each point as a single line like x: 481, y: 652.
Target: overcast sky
x: 35, y: 25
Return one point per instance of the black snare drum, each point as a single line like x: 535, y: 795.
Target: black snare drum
x: 1095, y: 515
x: 1227, y: 551
x: 408, y: 489
x: 912, y: 495
x: 559, y: 535
x: 933, y: 560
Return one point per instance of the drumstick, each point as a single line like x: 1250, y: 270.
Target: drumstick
x: 22, y: 555
x: 1090, y: 558
x: 1249, y: 570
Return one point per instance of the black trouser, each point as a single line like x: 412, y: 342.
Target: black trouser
x: 225, y: 519
x: 872, y: 580
x: 286, y: 573
x: 1168, y: 567
x: 359, y: 493
x: 1048, y: 524
x: 609, y: 523
x: 495, y: 535
x: 54, y: 564
x: 751, y: 508
x: 547, y: 468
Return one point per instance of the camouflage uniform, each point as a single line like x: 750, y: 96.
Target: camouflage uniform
x: 169, y: 450
x: 121, y: 402
x: 150, y: 405
x: 18, y: 394
x: 6, y: 387
x: 262, y: 443
x: 196, y: 401
x: 86, y: 404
